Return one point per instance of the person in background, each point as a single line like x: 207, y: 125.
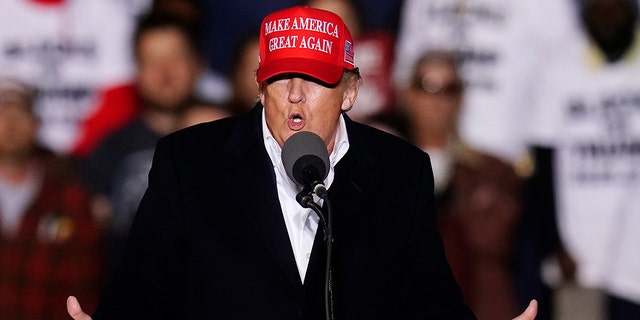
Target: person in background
x: 583, y: 129
x: 431, y: 104
x: 50, y: 244
x: 478, y: 31
x: 168, y: 68
x: 120, y: 105
x: 477, y: 195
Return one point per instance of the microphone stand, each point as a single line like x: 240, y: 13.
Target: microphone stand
x: 305, y: 198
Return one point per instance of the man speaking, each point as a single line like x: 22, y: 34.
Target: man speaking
x: 225, y: 232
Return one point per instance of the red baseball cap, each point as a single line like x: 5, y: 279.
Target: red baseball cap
x: 307, y: 41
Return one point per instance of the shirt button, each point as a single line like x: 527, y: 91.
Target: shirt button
x: 308, y: 255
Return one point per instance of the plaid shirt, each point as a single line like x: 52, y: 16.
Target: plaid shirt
x: 55, y: 253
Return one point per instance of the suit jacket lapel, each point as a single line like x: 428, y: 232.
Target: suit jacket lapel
x: 347, y: 194
x: 249, y: 172
x: 352, y: 179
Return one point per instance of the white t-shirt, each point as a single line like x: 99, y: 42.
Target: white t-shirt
x: 589, y: 112
x: 69, y: 52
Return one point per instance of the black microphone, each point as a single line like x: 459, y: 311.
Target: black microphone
x: 306, y: 161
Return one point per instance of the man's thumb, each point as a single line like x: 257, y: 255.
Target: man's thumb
x: 74, y: 309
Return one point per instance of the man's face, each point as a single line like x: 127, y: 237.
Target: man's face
x: 167, y: 68
x: 612, y: 25
x: 434, y: 98
x: 297, y: 103
x: 243, y: 79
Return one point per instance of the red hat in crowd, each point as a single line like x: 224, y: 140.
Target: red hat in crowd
x: 306, y: 41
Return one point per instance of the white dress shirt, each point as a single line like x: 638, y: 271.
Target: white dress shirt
x: 301, y: 223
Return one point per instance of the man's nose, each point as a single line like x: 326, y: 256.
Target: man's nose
x: 296, y: 90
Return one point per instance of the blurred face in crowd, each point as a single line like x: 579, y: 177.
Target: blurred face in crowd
x: 18, y: 127
x: 433, y: 98
x: 167, y: 68
x: 243, y: 79
x: 611, y: 24
x: 298, y: 103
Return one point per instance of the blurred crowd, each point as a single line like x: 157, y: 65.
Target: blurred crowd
x: 529, y: 111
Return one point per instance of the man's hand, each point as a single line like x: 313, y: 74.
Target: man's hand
x: 74, y: 310
x: 528, y: 314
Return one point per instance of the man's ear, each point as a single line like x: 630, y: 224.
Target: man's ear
x: 350, y: 95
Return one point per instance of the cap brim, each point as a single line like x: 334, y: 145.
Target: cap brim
x: 323, y: 71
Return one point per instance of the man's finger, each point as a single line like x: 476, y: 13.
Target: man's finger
x: 529, y: 313
x: 74, y: 309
